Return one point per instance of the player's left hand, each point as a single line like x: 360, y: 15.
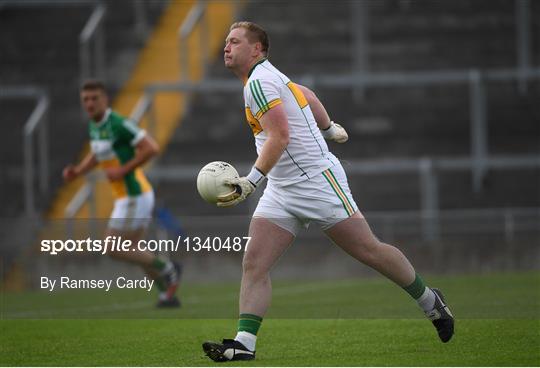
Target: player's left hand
x: 336, y: 133
x: 115, y: 173
x: 243, y: 189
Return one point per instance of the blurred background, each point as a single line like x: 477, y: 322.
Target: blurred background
x: 441, y: 100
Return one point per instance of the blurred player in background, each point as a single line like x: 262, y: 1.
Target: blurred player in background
x: 306, y: 183
x: 120, y: 148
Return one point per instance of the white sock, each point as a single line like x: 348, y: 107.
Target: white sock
x: 167, y: 269
x: 427, y: 300
x: 247, y: 339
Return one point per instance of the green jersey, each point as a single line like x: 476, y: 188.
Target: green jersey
x: 113, y: 141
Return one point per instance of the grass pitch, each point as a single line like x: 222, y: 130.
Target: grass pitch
x: 330, y: 323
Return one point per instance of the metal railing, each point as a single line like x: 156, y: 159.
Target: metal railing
x: 141, y: 20
x: 523, y: 40
x: 359, y: 13
x: 504, y: 223
x: 92, y: 29
x: 360, y: 19
x: 93, y: 63
x: 37, y: 121
x: 196, y: 16
x: 86, y: 194
x: 38, y: 118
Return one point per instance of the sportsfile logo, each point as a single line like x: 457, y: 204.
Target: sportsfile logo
x: 110, y: 243
x: 119, y: 244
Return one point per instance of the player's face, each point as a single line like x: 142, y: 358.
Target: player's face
x: 95, y: 103
x: 238, y: 52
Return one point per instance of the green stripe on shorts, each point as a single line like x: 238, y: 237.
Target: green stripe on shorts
x: 345, y: 195
x: 336, y: 191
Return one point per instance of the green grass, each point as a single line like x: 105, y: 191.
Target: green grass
x: 362, y: 322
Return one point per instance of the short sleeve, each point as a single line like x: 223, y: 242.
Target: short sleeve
x: 129, y: 132
x: 261, y: 96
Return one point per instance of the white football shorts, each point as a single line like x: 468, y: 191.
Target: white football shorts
x: 132, y: 213
x: 324, y: 199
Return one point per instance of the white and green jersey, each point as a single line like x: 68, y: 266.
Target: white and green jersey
x: 307, y: 154
x: 113, y: 141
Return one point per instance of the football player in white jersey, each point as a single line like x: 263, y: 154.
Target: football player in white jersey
x: 306, y: 184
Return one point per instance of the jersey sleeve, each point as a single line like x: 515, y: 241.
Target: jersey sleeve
x: 129, y: 132
x: 261, y: 95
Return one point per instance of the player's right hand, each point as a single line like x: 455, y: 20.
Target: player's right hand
x: 69, y: 173
x: 243, y: 189
x: 336, y: 133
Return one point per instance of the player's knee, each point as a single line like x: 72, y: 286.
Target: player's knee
x: 253, y: 268
x: 249, y: 265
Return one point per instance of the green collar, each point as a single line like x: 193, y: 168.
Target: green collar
x: 257, y: 63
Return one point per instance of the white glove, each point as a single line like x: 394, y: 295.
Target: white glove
x: 244, y: 186
x: 335, y: 132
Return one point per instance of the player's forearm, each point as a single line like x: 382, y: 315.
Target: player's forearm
x: 274, y: 122
x: 319, y: 113
x: 317, y: 108
x: 271, y: 152
x: 141, y: 157
x: 87, y: 164
x: 146, y: 149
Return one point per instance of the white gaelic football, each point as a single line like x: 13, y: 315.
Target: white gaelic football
x: 210, y: 180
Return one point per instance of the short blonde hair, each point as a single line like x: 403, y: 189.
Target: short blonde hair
x: 255, y: 33
x: 93, y: 85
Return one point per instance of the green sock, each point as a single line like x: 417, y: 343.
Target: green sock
x: 249, y: 323
x: 158, y: 264
x: 417, y: 288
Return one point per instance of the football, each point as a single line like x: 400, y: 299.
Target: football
x: 210, y: 180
